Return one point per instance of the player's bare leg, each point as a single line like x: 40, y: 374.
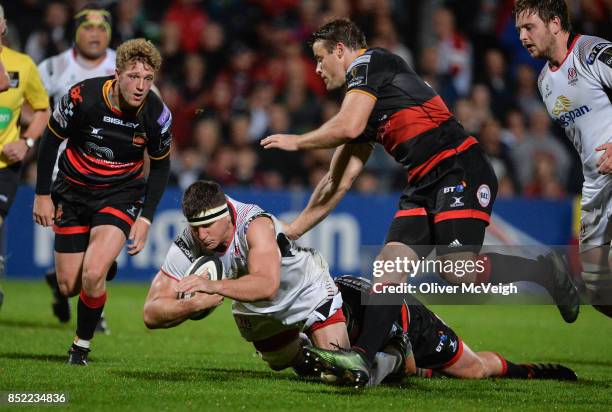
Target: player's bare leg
x: 479, y: 365
x: 105, y: 244
x: 597, y: 277
x: 68, y: 267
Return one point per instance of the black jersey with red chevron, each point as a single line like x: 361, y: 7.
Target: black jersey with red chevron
x: 105, y: 145
x: 409, y: 118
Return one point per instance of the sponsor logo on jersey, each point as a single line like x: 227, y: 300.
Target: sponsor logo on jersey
x: 103, y: 152
x: 139, y: 139
x: 593, y: 55
x: 606, y: 57
x: 572, y: 76
x: 363, y: 59
x: 565, y: 115
x: 6, y: 115
x: 184, y: 247
x: 483, y: 194
x: 95, y: 132
x: 358, y: 75
x: 75, y: 94
x: 548, y: 91
x: 119, y: 122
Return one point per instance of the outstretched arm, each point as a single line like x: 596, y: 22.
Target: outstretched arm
x: 346, y: 125
x: 347, y: 163
x: 162, y: 309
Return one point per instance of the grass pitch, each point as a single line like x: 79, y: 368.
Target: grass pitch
x: 205, y: 365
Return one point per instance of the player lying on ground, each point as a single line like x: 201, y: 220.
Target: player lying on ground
x: 436, y: 348
x: 278, y: 289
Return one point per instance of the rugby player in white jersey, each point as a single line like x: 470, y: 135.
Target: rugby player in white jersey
x: 89, y: 57
x: 279, y: 289
x: 576, y: 86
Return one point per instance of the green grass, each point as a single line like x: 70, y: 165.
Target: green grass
x: 205, y: 365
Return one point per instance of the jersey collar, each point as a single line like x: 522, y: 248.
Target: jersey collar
x: 106, y: 88
x: 571, y: 42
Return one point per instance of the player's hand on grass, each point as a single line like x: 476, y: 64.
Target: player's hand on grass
x: 43, y: 211
x: 287, y: 142
x: 197, y: 283
x: 15, y: 151
x: 138, y: 235
x: 604, y: 164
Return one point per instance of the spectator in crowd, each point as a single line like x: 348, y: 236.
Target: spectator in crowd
x: 454, y: 52
x: 54, y: 37
x: 540, y: 142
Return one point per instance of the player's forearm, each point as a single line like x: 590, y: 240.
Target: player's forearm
x: 38, y: 124
x: 249, y: 288
x: 323, y: 200
x: 47, y: 153
x: 168, y: 312
x: 156, y: 184
x: 331, y: 134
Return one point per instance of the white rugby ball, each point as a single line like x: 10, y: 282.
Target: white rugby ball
x: 210, y: 265
x: 207, y: 264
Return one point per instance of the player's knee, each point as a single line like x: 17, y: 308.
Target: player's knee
x: 68, y: 289
x: 476, y: 370
x: 391, y: 260
x: 93, y: 272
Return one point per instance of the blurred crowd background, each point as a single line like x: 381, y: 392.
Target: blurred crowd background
x: 236, y: 71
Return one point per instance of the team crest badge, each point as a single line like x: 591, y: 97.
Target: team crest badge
x: 139, y: 139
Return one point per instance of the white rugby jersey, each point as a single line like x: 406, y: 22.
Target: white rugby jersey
x: 304, y: 279
x: 578, y: 97
x: 60, y: 72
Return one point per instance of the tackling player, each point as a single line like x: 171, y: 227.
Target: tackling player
x: 450, y: 185
x: 94, y: 204
x: 278, y: 288
x: 89, y: 57
x: 576, y: 86
x: 23, y: 86
x: 436, y: 348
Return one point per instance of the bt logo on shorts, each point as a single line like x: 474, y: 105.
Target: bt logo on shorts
x: 443, y: 339
x: 455, y: 189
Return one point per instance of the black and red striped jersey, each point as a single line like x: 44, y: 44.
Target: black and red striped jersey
x: 409, y: 118
x: 105, y: 146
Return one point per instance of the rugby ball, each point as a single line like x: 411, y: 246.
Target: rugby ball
x: 210, y: 264
x: 204, y: 265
